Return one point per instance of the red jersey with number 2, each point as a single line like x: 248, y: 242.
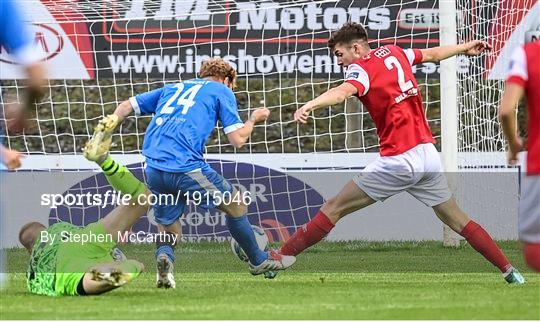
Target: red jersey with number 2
x: 387, y: 88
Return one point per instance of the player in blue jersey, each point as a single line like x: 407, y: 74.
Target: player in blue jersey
x: 16, y: 39
x: 185, y: 114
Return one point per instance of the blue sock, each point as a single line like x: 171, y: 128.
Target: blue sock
x: 167, y: 250
x: 241, y: 231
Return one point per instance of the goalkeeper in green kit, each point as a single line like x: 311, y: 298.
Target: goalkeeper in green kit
x: 62, y: 265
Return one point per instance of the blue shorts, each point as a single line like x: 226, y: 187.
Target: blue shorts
x: 204, y: 183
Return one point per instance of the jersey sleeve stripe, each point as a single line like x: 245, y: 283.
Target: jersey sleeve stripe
x: 410, y: 55
x: 135, y: 105
x: 414, y: 56
x: 361, y: 89
x: 232, y: 128
x: 514, y: 79
x: 418, y: 56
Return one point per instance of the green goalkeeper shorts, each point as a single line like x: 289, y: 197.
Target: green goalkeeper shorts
x: 82, y: 249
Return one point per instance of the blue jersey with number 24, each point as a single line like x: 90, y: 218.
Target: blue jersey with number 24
x: 184, y: 116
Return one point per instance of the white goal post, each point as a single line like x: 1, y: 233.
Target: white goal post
x: 449, y: 108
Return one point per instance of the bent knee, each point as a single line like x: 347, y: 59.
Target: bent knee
x: 239, y: 210
x: 236, y: 210
x: 140, y: 200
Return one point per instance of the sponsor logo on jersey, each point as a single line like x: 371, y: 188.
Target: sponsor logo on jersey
x: 409, y: 93
x: 353, y: 75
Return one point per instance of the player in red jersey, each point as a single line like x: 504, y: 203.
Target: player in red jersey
x: 523, y: 79
x: 384, y: 81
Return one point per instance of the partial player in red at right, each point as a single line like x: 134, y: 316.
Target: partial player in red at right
x: 524, y: 79
x: 383, y: 80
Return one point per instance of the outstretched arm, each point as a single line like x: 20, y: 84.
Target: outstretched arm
x: 123, y: 110
x: 507, y: 114
x: 333, y: 96
x: 516, y: 82
x: 472, y: 48
x: 17, y: 38
x: 145, y: 103
x: 127, y: 107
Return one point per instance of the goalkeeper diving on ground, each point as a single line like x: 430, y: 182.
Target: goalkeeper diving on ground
x: 64, y: 266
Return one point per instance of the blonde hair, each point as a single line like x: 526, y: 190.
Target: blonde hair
x: 219, y: 68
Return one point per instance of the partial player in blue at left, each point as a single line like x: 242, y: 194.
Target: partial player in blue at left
x: 185, y: 114
x: 17, y: 39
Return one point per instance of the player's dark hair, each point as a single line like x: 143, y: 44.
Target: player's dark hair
x: 217, y: 67
x: 349, y: 32
x: 29, y: 233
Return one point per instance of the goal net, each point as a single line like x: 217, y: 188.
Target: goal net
x: 100, y: 53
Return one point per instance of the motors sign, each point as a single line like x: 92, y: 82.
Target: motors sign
x: 270, y: 38
x: 195, y: 21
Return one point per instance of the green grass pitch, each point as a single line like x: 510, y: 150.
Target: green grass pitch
x: 349, y: 280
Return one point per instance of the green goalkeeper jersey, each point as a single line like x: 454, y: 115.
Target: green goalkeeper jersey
x: 41, y: 274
